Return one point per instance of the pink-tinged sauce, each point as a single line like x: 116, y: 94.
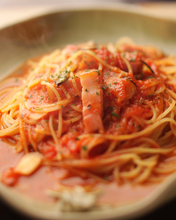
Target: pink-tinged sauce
x: 36, y: 185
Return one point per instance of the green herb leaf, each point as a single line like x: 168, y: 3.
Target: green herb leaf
x: 115, y: 114
x: 38, y: 108
x: 30, y: 96
x: 132, y: 59
x: 84, y: 147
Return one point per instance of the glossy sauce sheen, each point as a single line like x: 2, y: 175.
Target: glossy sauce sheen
x: 35, y: 186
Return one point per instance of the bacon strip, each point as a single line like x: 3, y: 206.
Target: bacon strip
x: 92, y: 98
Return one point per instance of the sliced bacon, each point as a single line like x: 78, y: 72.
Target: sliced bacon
x: 92, y: 98
x: 121, y: 88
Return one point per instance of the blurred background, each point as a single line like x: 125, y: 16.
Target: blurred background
x: 12, y: 11
x: 48, y: 2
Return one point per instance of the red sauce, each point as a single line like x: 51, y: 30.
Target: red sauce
x: 36, y: 185
x: 129, y: 91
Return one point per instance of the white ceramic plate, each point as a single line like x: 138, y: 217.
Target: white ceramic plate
x: 105, y: 23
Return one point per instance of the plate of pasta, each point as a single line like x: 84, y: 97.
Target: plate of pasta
x: 88, y: 127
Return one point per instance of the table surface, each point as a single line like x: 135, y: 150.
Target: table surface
x: 12, y: 14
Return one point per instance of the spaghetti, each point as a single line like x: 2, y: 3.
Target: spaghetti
x: 105, y: 112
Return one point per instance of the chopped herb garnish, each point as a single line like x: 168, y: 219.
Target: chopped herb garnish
x: 150, y: 77
x: 118, y: 125
x: 84, y: 147
x: 97, y: 93
x: 47, y: 120
x: 109, y: 85
x: 38, y: 108
x: 132, y: 59
x: 106, y: 73
x: 99, y: 73
x: 30, y: 96
x: 86, y: 90
x: 115, y: 114
x: 62, y: 77
x: 41, y: 98
x: 115, y: 82
x: 104, y: 88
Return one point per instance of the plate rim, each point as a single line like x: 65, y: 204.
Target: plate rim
x: 144, y: 205
x: 89, y: 6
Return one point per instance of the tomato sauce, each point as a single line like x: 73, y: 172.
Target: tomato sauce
x: 128, y: 88
x: 36, y: 185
